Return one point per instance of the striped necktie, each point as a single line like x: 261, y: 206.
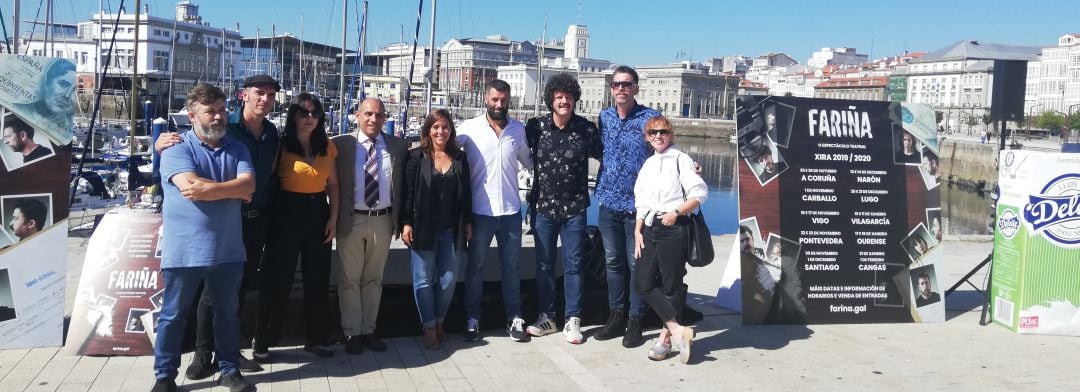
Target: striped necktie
x: 371, y: 175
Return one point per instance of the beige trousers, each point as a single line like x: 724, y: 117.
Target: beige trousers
x: 362, y: 258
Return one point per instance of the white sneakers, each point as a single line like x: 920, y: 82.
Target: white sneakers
x: 572, y: 330
x: 542, y: 326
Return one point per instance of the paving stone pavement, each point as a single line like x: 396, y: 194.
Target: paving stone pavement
x: 956, y: 355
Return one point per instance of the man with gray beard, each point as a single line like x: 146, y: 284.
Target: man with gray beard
x: 206, y: 179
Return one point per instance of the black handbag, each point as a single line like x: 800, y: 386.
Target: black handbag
x: 699, y: 246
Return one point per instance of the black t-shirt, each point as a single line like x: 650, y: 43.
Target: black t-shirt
x: 38, y: 152
x: 444, y: 186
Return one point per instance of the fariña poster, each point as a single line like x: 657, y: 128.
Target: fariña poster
x: 121, y: 288
x: 840, y: 218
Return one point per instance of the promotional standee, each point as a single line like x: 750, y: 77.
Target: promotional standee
x: 840, y: 218
x: 1037, y: 243
x: 121, y: 288
x: 37, y: 101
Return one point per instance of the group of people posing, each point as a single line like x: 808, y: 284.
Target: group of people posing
x: 242, y: 200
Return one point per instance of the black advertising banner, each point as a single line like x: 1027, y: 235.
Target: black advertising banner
x: 37, y: 100
x: 840, y: 215
x: 120, y: 290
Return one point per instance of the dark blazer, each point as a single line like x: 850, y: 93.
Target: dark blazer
x: 419, y: 204
x: 346, y: 172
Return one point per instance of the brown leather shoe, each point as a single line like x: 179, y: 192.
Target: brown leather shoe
x: 373, y: 342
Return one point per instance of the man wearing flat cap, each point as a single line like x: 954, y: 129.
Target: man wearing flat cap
x: 249, y: 127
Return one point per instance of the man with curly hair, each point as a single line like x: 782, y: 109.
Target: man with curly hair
x: 560, y: 144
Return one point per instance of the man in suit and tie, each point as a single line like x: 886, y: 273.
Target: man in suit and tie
x: 371, y: 167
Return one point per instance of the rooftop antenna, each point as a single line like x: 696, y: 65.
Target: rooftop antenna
x: 579, y: 12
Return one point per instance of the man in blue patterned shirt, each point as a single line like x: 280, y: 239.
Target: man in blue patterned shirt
x: 625, y: 151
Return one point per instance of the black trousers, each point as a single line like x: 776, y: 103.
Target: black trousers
x: 255, y: 230
x: 298, y: 229
x: 663, y: 257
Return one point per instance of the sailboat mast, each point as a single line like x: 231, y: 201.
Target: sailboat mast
x: 341, y: 80
x: 172, y: 67
x: 431, y: 59
x: 134, y: 94
x: 302, y: 87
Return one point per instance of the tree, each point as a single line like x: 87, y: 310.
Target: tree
x: 1049, y: 120
x: 985, y: 120
x: 938, y: 116
x: 1074, y: 121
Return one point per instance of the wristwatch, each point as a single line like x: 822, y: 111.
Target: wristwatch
x: 677, y: 213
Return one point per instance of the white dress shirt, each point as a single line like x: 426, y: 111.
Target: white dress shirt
x: 493, y: 161
x: 384, y: 168
x: 659, y: 187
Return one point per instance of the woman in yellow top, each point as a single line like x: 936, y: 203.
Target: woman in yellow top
x: 303, y: 222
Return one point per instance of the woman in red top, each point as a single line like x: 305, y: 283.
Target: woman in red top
x: 303, y: 224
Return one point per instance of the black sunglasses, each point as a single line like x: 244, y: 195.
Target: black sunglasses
x: 309, y: 113
x: 625, y: 85
x: 654, y: 132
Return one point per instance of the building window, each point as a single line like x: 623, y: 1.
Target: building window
x: 161, y: 60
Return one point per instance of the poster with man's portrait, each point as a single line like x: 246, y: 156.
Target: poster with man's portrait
x: 23, y: 145
x: 26, y: 215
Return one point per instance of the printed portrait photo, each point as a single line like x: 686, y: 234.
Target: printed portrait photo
x: 7, y: 300
x: 928, y: 168
x: 26, y: 215
x: 149, y: 321
x: 922, y: 281
x: 158, y: 298
x: 894, y: 279
x: 766, y: 163
x: 23, y: 145
x: 906, y: 147
x: 934, y: 224
x: 779, y: 118
x: 750, y: 239
x: 918, y: 243
x: 134, y: 323
x: 780, y: 271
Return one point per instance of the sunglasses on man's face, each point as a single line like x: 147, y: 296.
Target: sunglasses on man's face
x: 622, y: 85
x: 654, y: 132
x: 309, y: 113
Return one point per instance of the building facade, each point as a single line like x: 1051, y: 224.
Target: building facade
x: 467, y: 64
x: 836, y: 56
x: 686, y: 89
x: 1053, y: 81
x: 957, y: 79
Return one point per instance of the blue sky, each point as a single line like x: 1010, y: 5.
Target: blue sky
x: 647, y: 32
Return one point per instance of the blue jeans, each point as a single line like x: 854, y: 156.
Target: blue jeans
x: 181, y: 285
x: 617, y: 232
x: 507, y: 231
x: 434, y: 278
x: 572, y: 233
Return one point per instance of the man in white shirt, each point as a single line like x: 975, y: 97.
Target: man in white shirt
x: 371, y: 167
x: 495, y: 145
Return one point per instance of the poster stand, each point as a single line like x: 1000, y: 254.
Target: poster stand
x: 983, y: 320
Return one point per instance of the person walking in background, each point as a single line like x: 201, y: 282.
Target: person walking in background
x: 624, y: 152
x: 303, y: 223
x: 370, y: 166
x: 561, y: 144
x: 495, y: 144
x: 436, y: 221
x: 666, y: 190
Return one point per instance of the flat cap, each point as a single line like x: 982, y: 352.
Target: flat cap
x: 261, y: 80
